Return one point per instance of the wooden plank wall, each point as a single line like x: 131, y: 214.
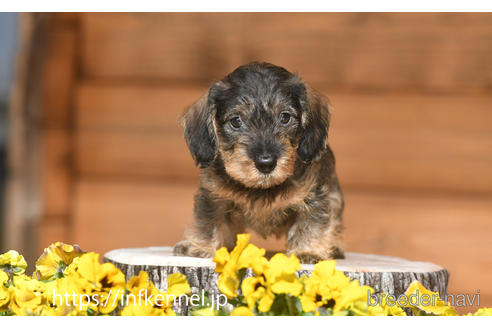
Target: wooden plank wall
x: 56, y: 94
x: 411, y: 128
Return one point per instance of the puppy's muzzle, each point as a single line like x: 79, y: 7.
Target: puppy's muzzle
x: 265, y: 163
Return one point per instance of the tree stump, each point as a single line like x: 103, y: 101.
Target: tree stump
x: 386, y: 274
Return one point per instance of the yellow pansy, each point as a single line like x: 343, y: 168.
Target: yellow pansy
x: 55, y: 259
x: 323, y: 287
x: 355, y: 300
x: 26, y: 296
x: 48, y: 310
x: 227, y: 265
x: 253, y: 257
x: 206, y: 311
x: 278, y: 277
x: 433, y: 305
x: 482, y: 312
x: 4, y: 298
x: 228, y: 283
x: 352, y: 296
x: 134, y: 309
x: 4, y: 292
x: 145, y: 299
x: 68, y: 296
x: 177, y: 285
x: 4, y: 278
x: 26, y: 302
x: 138, y: 283
x: 221, y: 258
x: 105, y: 282
x: 332, y: 282
x: 242, y: 241
x: 73, y: 267
x: 254, y: 290
x: 281, y: 274
x: 60, y: 300
x: 140, y: 290
x: 13, y: 263
x: 390, y: 310
x: 242, y: 311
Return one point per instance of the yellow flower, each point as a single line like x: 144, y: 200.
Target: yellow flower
x: 134, y: 309
x: 324, y: 287
x: 228, y: 264
x: 26, y: 296
x: 431, y: 304
x: 177, y: 285
x: 48, y: 310
x: 56, y: 299
x: 206, y: 311
x: 253, y: 257
x: 354, y: 297
x: 26, y: 302
x: 138, y: 283
x: 55, y: 259
x: 390, y: 310
x: 66, y: 296
x: 254, y: 289
x: 73, y: 267
x: 4, y: 292
x: 281, y: 275
x: 141, y: 293
x: 275, y: 277
x: 4, y: 278
x: 105, y: 282
x: 221, y: 258
x: 242, y: 311
x: 482, y: 312
x: 228, y: 283
x: 13, y: 262
x: 331, y: 289
x: 145, y: 299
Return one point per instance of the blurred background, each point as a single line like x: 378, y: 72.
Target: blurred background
x: 96, y: 157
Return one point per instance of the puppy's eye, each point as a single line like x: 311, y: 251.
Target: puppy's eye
x: 236, y: 122
x: 285, y: 118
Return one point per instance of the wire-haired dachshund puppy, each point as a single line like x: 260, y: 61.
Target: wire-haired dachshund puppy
x: 260, y: 137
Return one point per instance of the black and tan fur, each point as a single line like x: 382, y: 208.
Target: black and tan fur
x: 260, y: 139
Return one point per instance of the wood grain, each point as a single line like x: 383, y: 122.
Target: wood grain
x: 385, y: 274
x: 58, y: 70
x: 133, y: 107
x: 382, y: 51
x: 57, y: 173
x: 397, y: 141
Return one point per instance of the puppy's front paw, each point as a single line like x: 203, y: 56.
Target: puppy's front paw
x: 188, y: 248
x: 337, y: 254
x: 312, y: 258
x: 307, y: 258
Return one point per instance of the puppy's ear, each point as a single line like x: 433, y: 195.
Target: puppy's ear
x: 199, y: 130
x: 315, y: 120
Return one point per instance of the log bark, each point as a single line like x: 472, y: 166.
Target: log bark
x: 386, y: 274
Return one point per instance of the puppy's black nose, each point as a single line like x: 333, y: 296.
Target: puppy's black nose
x: 265, y: 163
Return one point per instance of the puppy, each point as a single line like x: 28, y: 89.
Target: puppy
x: 260, y: 137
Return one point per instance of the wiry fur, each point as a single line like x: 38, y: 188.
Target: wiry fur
x: 300, y: 197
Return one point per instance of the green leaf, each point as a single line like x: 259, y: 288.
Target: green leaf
x: 16, y: 270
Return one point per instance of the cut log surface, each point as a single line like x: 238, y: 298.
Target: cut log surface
x: 386, y: 274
